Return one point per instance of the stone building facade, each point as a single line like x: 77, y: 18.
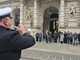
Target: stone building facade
x: 45, y: 15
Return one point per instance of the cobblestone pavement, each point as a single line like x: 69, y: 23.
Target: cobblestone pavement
x: 51, y: 51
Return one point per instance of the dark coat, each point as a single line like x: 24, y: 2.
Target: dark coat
x: 11, y: 43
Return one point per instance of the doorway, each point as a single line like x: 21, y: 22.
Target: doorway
x: 50, y: 22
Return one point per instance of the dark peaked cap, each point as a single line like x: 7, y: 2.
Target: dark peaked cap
x: 5, y: 12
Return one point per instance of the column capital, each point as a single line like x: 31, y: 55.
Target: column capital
x: 62, y: 0
x: 21, y: 0
x: 36, y: 0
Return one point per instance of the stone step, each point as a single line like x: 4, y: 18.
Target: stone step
x: 24, y: 58
x: 45, y: 55
x: 51, y: 58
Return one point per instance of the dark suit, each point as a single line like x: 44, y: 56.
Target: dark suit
x: 11, y: 43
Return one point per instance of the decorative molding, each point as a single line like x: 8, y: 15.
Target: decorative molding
x: 9, y: 1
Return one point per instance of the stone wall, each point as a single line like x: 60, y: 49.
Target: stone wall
x: 72, y: 25
x: 27, y: 5
x: 42, y: 6
x: 77, y: 15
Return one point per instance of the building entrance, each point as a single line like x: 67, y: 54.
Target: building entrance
x: 53, y: 26
x: 50, y: 19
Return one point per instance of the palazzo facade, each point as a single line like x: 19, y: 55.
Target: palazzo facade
x: 52, y: 15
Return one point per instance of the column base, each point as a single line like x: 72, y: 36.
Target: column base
x: 61, y: 26
x: 72, y: 22
x: 70, y: 29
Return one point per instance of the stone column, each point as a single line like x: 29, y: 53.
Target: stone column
x: 61, y: 13
x: 21, y: 11
x: 35, y: 14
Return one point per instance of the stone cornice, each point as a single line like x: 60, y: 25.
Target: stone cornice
x: 9, y: 1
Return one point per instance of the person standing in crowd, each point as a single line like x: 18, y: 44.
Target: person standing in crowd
x: 62, y: 37
x: 75, y: 39
x: 59, y: 35
x: 79, y: 38
x: 68, y: 37
x: 65, y: 37
x: 12, y: 42
x: 40, y: 36
x: 71, y: 38
x: 47, y: 36
x: 37, y: 36
x: 50, y: 36
x: 55, y: 37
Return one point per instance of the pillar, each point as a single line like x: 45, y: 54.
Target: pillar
x: 21, y: 11
x: 61, y: 13
x: 35, y: 14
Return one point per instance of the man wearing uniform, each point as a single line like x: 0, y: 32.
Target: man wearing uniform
x: 12, y: 41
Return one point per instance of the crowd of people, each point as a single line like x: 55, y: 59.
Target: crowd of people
x: 66, y: 37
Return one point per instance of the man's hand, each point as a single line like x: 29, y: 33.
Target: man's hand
x: 20, y: 29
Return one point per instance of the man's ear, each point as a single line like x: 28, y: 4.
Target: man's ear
x: 5, y: 21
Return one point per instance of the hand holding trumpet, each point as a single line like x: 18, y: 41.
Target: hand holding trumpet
x: 20, y: 29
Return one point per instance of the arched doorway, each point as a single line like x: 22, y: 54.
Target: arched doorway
x: 16, y: 16
x: 50, y: 22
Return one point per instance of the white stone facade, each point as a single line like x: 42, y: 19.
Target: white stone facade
x: 38, y: 7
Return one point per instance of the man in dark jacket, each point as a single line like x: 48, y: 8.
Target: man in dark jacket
x: 12, y: 41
